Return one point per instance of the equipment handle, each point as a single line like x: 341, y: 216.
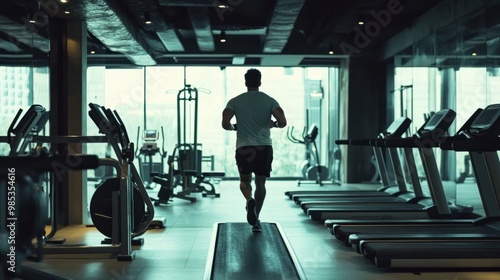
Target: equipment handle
x: 11, y: 127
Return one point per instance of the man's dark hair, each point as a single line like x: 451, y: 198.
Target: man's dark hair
x: 252, y: 78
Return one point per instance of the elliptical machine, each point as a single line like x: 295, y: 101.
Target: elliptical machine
x: 311, y: 168
x: 149, y: 168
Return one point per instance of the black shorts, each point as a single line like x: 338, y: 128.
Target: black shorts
x: 256, y: 159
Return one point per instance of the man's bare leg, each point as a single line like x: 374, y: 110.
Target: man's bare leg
x: 246, y: 190
x: 260, y: 193
x: 246, y: 186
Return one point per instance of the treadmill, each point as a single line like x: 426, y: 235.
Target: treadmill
x: 463, y: 217
x: 473, y: 245
x: 437, y: 206
x: 415, y: 196
x: 238, y: 253
x: 395, y: 130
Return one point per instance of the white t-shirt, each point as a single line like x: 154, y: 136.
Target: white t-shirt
x: 253, y: 111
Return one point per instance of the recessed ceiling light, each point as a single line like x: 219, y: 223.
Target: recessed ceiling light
x: 147, y: 18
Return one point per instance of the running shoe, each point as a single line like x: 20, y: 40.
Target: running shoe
x: 251, y: 216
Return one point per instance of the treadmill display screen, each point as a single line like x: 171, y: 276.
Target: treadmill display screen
x: 398, y: 127
x: 396, y: 124
x: 435, y: 120
x: 487, y: 118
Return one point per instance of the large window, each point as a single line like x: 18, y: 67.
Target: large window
x: 21, y: 87
x: 147, y: 98
x: 455, y: 67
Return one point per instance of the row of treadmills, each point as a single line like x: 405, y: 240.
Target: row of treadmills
x: 401, y: 228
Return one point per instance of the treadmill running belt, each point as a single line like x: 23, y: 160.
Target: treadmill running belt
x: 243, y: 254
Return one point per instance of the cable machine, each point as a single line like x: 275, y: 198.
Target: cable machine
x: 188, y: 150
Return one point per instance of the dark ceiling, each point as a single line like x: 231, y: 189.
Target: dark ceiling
x: 257, y: 32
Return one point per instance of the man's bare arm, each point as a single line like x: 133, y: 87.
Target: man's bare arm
x: 279, y: 115
x: 227, y: 115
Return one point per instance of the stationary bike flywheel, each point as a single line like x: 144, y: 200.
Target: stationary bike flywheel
x: 101, y: 207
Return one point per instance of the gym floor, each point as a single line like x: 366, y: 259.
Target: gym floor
x: 180, y: 250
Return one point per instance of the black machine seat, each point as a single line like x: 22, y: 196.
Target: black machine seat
x: 213, y: 174
x: 203, y: 178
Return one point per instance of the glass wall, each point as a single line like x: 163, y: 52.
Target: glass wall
x: 21, y: 87
x: 457, y: 68
x: 148, y: 98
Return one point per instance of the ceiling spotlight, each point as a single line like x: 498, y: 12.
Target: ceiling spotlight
x: 147, y: 18
x: 92, y: 52
x: 331, y: 49
x: 222, y: 36
x: 64, y: 1
x: 66, y: 12
x: 223, y: 6
x: 474, y: 54
x: 361, y: 19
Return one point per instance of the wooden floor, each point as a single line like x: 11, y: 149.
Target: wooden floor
x: 180, y: 250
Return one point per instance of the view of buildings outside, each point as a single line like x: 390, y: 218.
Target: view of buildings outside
x: 21, y: 87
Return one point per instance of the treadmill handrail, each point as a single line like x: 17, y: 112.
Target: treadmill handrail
x: 477, y: 145
x: 395, y: 130
x: 479, y: 133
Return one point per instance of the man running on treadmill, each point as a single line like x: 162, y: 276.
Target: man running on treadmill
x: 254, y: 152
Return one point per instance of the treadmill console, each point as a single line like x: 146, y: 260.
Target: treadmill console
x: 486, y: 121
x: 439, y: 123
x: 398, y: 127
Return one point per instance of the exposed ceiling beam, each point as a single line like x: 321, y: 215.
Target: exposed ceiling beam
x: 25, y: 34
x: 282, y: 60
x: 281, y: 25
x: 170, y: 40
x: 202, y: 29
x: 189, y: 3
x: 111, y: 26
